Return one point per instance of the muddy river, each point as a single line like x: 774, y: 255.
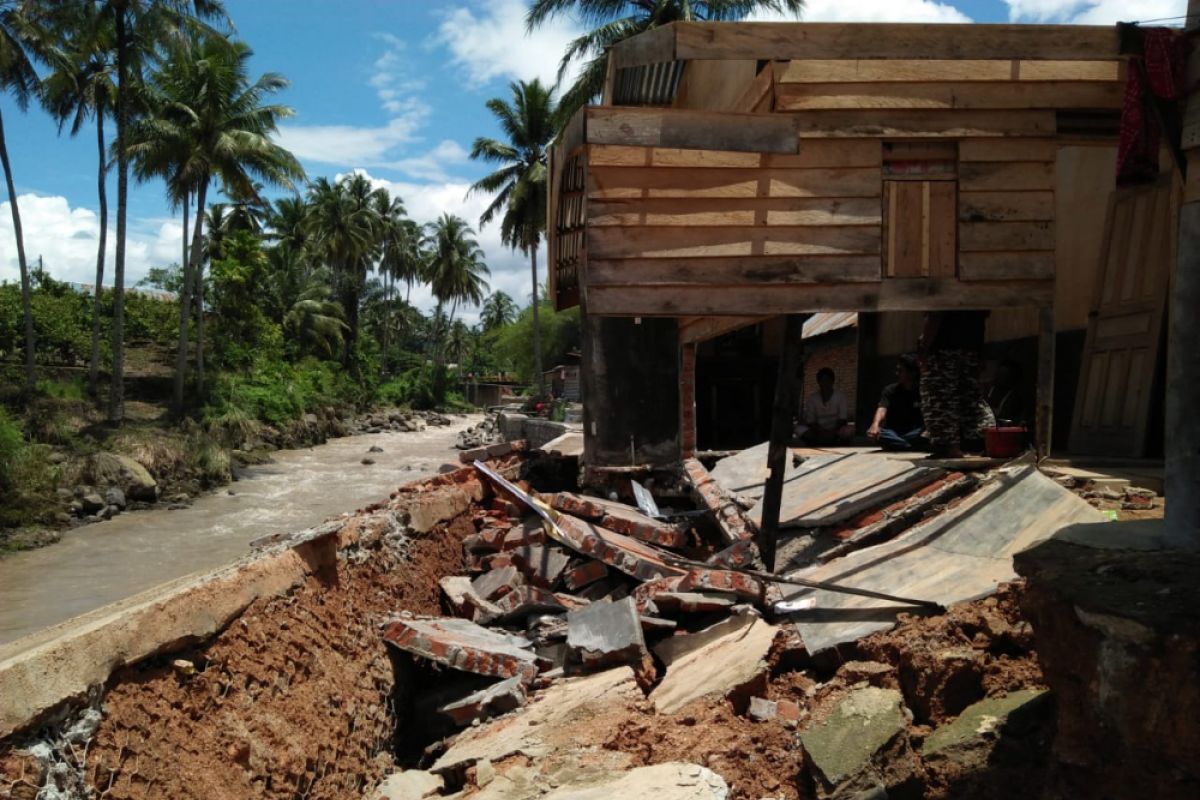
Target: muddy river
x: 108, y: 561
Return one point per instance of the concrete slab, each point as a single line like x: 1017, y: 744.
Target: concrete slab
x: 542, y: 565
x: 959, y: 555
x: 545, y: 725
x: 569, y: 444
x: 412, y: 784
x: 745, y: 473
x: 638, y: 559
x: 842, y: 747
x: 499, y: 698
x: 969, y: 737
x: 606, y: 633
x: 620, y: 518
x: 497, y: 582
x: 671, y: 781
x: 731, y: 664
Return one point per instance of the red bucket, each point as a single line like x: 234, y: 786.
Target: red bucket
x: 1004, y: 442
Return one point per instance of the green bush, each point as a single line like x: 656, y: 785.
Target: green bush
x: 27, y: 476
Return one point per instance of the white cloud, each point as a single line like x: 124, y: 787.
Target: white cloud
x: 426, y: 202
x: 1092, y: 12
x: 429, y: 166
x: 871, y: 11
x: 490, y: 42
x: 66, y: 239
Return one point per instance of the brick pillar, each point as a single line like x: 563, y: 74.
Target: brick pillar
x: 687, y: 400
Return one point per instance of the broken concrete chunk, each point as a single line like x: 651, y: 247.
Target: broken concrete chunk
x: 763, y: 710
x: 875, y: 673
x: 671, y: 781
x: 528, y: 532
x: 412, y: 784
x: 606, y: 633
x: 657, y: 625
x: 675, y: 647
x: 842, y: 748
x: 465, y: 646
x: 499, y: 698
x: 498, y: 582
x: 969, y: 739
x: 465, y: 601
x: 526, y: 600
x: 732, y: 664
x: 582, y: 574
x: 542, y: 565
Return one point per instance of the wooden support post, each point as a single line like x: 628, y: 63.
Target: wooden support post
x: 687, y: 400
x: 1182, y: 449
x: 1045, y: 381
x: 781, y: 434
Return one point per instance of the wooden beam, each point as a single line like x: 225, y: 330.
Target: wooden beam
x: 781, y: 435
x: 1045, y: 381
x: 693, y: 330
x: 909, y: 294
x: 941, y: 123
x: 735, y: 270
x: 651, y: 47
x: 700, y: 130
x: 902, y: 70
x: 785, y: 41
x: 959, y: 95
x: 672, y: 242
x: 759, y: 95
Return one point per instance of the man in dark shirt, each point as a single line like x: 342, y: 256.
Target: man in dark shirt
x: 897, y: 424
x: 951, y: 402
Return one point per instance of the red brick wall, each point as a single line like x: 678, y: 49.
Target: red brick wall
x: 838, y: 351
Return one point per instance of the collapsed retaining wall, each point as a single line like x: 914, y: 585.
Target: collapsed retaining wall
x: 264, y: 679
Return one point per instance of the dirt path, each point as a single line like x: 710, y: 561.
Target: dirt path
x: 108, y: 561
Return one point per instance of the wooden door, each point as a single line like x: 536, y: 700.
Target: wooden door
x: 1122, y: 350
x: 921, y: 224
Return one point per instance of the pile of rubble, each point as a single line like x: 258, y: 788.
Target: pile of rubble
x: 481, y: 434
x: 399, y: 419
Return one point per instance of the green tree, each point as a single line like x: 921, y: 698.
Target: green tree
x: 208, y: 120
x: 391, y: 220
x: 456, y: 266
x: 82, y: 85
x: 20, y: 42
x: 498, y: 310
x: 519, y: 184
x: 615, y: 20
x: 316, y: 322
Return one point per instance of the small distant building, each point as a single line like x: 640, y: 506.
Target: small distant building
x: 563, y: 380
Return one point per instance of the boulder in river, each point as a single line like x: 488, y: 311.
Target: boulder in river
x: 114, y: 469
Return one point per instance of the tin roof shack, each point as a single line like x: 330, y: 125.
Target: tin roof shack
x: 740, y: 170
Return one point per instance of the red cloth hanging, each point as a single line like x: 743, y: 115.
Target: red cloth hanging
x: 1158, y: 72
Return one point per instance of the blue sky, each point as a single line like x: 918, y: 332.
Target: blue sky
x: 395, y: 88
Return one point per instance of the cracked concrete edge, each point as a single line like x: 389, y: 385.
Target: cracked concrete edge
x: 45, y: 671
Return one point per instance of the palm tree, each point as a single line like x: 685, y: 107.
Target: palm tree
x: 139, y: 28
x: 615, y: 20
x: 316, y: 321
x: 206, y: 121
x: 456, y: 266
x: 519, y: 184
x: 391, y: 218
x: 82, y: 84
x: 498, y: 310
x: 343, y: 226
x: 20, y: 42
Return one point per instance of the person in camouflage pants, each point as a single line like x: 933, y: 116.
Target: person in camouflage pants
x: 951, y: 401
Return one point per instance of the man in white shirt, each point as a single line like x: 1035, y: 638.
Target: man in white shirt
x: 826, y: 414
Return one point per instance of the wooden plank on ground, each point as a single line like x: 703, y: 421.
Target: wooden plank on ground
x: 691, y: 242
x: 1006, y: 266
x: 735, y: 211
x: 941, y: 123
x: 915, y: 294
x: 832, y: 40
x: 1010, y: 176
x: 609, y: 183
x: 901, y: 70
x: 1006, y: 206
x: 733, y: 271
x: 1011, y: 236
x: 700, y: 130
x: 849, y: 153
x: 1050, y: 94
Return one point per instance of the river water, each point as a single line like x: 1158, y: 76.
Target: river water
x: 108, y: 561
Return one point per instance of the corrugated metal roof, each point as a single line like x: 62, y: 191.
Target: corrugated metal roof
x: 828, y: 322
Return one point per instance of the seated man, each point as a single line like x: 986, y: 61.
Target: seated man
x: 897, y: 425
x: 826, y: 414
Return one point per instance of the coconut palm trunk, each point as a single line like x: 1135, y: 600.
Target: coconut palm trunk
x: 199, y: 297
x: 26, y: 288
x: 101, y: 252
x: 185, y: 304
x: 539, y: 379
x: 116, y: 394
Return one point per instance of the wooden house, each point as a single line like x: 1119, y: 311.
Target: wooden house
x: 736, y: 171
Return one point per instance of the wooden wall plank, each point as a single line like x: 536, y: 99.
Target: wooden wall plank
x: 629, y: 182
x: 1006, y: 206
x: 715, y: 85
x: 999, y: 236
x: 818, y: 153
x: 882, y: 95
x: 686, y: 243
x: 943, y: 229
x: 701, y: 130
x: 735, y: 211
x: 941, y: 123
x: 900, y: 70
x: 908, y: 295
x: 733, y: 271
x: 650, y: 47
x: 759, y: 95
x: 1007, y: 150
x: 1007, y: 176
x: 831, y: 40
x: 1003, y: 266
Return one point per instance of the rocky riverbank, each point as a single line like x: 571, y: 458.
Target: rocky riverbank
x: 148, y: 466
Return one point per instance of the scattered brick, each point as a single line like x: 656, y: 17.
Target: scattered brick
x: 526, y: 600
x: 692, y: 602
x: 582, y: 574
x: 719, y: 580
x: 529, y: 532
x: 742, y: 553
x: 732, y: 522
x: 465, y: 601
x: 497, y: 582
x: 621, y: 518
x: 463, y: 645
x: 499, y: 698
x: 638, y: 559
x: 788, y: 710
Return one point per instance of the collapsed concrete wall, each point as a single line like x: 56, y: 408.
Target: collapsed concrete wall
x: 264, y: 679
